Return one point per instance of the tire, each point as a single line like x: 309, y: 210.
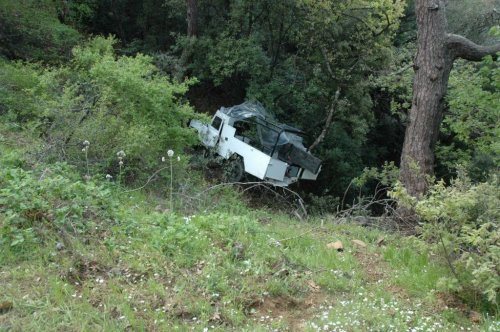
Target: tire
x: 234, y: 169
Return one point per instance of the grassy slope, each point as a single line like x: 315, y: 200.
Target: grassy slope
x: 96, y: 258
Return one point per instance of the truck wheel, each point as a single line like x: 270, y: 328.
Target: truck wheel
x: 234, y: 170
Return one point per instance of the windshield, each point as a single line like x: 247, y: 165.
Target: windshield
x: 270, y: 132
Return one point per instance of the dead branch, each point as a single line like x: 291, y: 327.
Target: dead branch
x: 148, y: 181
x: 327, y: 63
x: 328, y: 121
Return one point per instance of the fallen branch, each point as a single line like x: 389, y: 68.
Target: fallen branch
x: 147, y: 182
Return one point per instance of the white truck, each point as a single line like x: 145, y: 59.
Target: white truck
x: 257, y: 144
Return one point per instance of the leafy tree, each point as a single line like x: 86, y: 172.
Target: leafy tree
x: 471, y: 120
x: 293, y: 56
x: 30, y: 30
x: 436, y: 53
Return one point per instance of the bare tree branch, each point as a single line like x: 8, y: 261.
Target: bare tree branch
x: 327, y: 63
x: 461, y: 47
x: 328, y: 121
x: 384, y: 29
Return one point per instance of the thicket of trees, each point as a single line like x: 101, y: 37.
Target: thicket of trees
x: 291, y: 55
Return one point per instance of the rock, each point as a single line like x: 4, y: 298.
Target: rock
x: 359, y: 243
x: 380, y: 241
x: 475, y: 317
x: 6, y: 306
x: 114, y: 272
x: 312, y: 285
x: 335, y: 245
x: 60, y: 246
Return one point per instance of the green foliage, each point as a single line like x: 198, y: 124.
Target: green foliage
x: 474, y: 21
x: 34, y: 207
x: 463, y: 220
x: 231, y: 57
x: 397, y: 78
x: 342, y: 160
x: 387, y: 175
x: 116, y: 103
x: 30, y: 30
x: 142, y: 26
x: 19, y: 100
x: 472, y: 119
x: 77, y: 12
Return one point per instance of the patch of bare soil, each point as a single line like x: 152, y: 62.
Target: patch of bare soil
x: 376, y: 270
x: 373, y: 266
x: 83, y: 269
x: 449, y: 300
x: 295, y: 313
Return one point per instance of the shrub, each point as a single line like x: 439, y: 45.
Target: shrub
x: 34, y: 207
x: 115, y: 103
x: 19, y: 101
x: 462, y: 219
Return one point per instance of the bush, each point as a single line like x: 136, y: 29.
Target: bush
x: 35, y: 206
x: 462, y: 219
x: 115, y: 103
x: 19, y: 101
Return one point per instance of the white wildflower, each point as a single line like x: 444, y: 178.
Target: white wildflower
x: 163, y: 159
x: 86, y: 143
x: 108, y: 177
x: 170, y: 153
x: 178, y: 158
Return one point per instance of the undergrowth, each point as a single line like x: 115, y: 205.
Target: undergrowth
x: 83, y: 254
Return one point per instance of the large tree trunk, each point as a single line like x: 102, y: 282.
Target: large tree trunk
x: 432, y: 67
x: 192, y: 18
x: 436, y: 51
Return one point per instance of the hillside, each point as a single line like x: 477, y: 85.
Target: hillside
x: 89, y: 254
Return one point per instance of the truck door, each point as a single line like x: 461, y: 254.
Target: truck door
x: 209, y: 133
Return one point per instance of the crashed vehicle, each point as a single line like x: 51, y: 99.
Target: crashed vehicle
x: 254, y: 142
